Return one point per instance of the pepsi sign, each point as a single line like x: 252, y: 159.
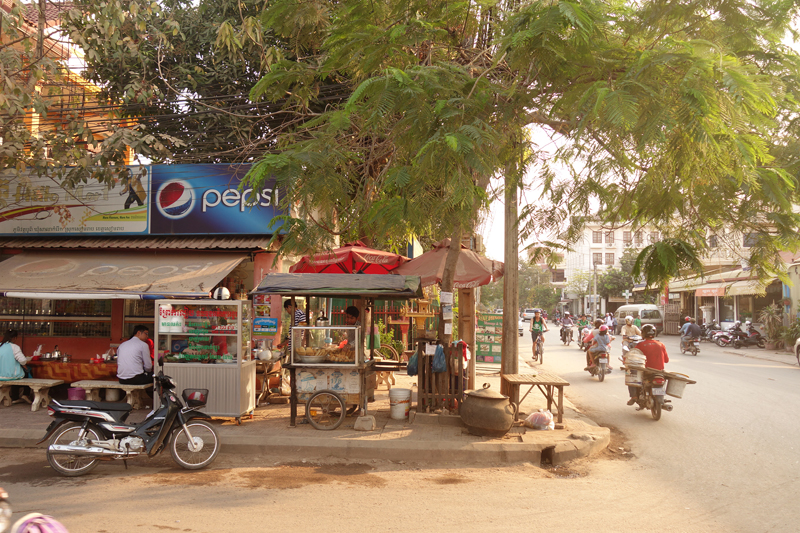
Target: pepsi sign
x: 206, y: 200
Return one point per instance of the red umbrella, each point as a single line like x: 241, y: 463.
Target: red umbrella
x: 352, y: 258
x: 472, y: 270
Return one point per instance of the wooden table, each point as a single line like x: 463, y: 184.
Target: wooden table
x: 546, y: 382
x: 72, y: 372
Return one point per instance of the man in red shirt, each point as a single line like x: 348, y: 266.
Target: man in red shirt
x: 656, y: 354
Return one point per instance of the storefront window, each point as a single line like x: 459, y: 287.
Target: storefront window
x: 745, y: 308
x: 726, y: 310
x: 34, y: 317
x: 774, y: 294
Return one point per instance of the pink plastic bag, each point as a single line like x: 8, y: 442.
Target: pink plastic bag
x: 541, y: 419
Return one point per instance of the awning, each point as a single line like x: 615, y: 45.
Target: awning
x: 742, y: 288
x: 381, y: 286
x: 132, y: 275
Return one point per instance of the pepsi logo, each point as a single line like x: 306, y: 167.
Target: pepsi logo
x: 44, y: 268
x: 175, y: 199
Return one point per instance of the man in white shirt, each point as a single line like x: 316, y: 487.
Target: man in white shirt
x: 134, y: 366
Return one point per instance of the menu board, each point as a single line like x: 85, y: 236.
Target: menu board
x: 489, y: 338
x: 263, y: 324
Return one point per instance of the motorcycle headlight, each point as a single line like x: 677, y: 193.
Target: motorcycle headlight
x: 173, y: 383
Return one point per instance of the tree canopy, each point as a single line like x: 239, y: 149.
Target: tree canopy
x: 388, y: 119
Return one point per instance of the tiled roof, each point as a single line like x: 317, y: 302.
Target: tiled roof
x: 52, y: 11
x: 166, y: 242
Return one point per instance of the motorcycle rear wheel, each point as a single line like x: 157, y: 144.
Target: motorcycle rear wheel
x: 720, y: 343
x: 762, y: 343
x: 737, y: 344
x: 204, y: 436
x: 601, y: 374
x: 72, y: 465
x: 656, y: 409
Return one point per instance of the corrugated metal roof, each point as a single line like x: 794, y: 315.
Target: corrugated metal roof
x: 166, y: 242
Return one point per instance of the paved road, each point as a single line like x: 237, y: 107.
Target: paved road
x: 722, y: 461
x: 731, y: 444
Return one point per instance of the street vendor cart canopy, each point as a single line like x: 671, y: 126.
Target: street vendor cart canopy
x: 384, y: 287
x: 131, y: 275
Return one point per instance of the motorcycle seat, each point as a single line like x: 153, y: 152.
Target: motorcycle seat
x: 102, y: 406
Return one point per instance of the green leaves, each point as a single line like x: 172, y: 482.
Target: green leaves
x: 661, y: 261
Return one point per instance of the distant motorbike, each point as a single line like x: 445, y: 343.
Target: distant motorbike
x: 599, y: 366
x: 84, y: 432
x: 691, y: 345
x: 566, y: 335
x: 582, y: 331
x: 752, y: 338
x: 629, y: 343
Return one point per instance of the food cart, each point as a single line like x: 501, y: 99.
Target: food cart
x: 205, y: 344
x: 329, y: 370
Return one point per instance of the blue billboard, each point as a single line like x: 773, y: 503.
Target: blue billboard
x: 206, y: 200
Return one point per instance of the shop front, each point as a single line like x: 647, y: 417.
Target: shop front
x: 80, y: 267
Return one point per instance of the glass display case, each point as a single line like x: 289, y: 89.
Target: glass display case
x: 327, y: 346
x: 205, y: 344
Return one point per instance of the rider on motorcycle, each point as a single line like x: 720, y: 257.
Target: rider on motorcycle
x: 656, y: 354
x: 689, y: 331
x: 566, y: 325
x: 629, y: 330
x: 601, y: 343
x: 588, y: 337
x: 583, y: 323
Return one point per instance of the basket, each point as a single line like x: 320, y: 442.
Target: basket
x: 195, y: 397
x: 676, y: 384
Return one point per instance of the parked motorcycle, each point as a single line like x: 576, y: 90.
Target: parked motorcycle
x: 751, y: 338
x: 723, y: 339
x: 691, y: 345
x: 84, y: 433
x: 708, y: 331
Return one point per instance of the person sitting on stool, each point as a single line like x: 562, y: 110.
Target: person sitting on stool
x: 134, y: 366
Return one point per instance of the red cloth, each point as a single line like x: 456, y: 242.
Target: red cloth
x: 152, y: 348
x: 656, y: 353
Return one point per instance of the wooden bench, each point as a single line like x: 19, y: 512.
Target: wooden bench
x: 40, y: 388
x: 132, y: 392
x: 547, y: 384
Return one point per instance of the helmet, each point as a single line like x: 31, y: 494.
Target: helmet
x: 687, y: 319
x: 747, y: 323
x: 38, y: 523
x: 629, y: 318
x: 566, y: 313
x: 603, y: 328
x: 221, y: 293
x: 648, y: 331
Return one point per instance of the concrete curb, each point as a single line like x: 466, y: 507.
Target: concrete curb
x: 784, y: 358
x: 553, y: 447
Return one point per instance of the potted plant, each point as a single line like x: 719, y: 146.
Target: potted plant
x: 772, y: 317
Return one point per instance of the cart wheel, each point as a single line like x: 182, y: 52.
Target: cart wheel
x: 325, y: 410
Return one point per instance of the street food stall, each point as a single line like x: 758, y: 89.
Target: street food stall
x: 329, y: 369
x: 205, y: 344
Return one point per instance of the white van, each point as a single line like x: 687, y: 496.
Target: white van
x: 647, y: 313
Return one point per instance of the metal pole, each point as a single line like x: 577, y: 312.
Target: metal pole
x: 594, y: 295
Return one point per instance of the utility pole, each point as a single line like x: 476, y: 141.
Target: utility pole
x: 595, y: 303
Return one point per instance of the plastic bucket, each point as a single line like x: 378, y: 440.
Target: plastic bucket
x: 112, y: 395
x: 399, y: 403
x: 76, y: 393
x: 676, y: 384
x: 633, y: 377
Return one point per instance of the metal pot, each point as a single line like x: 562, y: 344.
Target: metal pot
x: 66, y: 358
x: 487, y: 413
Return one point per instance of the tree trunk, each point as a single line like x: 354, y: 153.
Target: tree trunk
x: 509, y: 360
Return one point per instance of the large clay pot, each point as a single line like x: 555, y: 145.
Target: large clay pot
x: 487, y: 413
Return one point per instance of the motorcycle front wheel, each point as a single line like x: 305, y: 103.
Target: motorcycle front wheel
x: 737, y: 344
x: 204, y: 451
x: 73, y: 465
x: 721, y: 343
